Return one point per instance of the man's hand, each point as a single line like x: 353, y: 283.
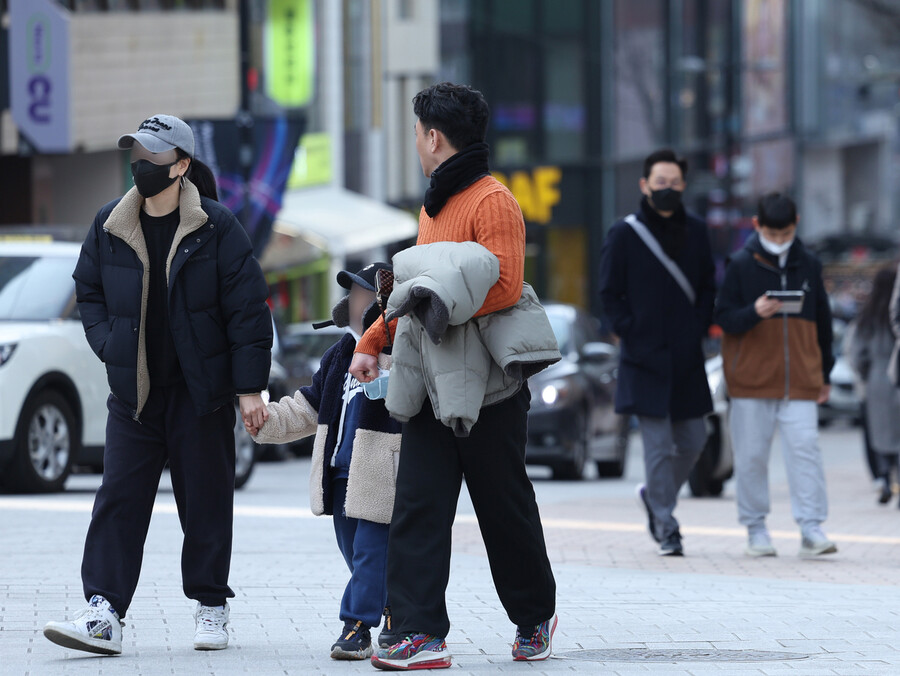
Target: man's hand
x: 766, y: 307
x: 364, y: 367
x: 824, y: 394
x: 253, y: 412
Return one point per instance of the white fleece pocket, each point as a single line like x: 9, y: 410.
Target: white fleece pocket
x: 371, y: 484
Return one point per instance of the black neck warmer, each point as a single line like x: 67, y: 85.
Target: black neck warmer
x: 670, y: 232
x: 454, y: 175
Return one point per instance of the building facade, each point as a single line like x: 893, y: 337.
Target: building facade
x: 759, y: 95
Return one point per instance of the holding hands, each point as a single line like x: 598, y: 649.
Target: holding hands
x: 253, y: 412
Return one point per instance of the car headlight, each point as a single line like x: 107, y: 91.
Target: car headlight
x: 6, y: 352
x: 554, y: 393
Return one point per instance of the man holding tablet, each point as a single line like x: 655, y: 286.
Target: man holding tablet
x: 777, y: 353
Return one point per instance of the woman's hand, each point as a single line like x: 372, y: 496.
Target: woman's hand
x: 253, y: 412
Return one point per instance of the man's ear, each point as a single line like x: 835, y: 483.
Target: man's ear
x: 436, y: 140
x: 756, y: 225
x: 643, y: 185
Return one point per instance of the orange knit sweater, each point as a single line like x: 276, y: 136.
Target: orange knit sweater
x: 487, y: 213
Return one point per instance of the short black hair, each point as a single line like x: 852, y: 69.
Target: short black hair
x: 776, y: 210
x: 457, y: 111
x: 664, y: 155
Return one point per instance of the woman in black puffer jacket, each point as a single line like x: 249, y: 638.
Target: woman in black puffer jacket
x: 174, y: 304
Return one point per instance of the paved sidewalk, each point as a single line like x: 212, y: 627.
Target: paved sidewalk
x: 620, y: 606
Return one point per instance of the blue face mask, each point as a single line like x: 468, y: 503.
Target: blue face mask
x: 377, y: 389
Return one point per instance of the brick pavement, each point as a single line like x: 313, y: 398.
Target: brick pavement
x: 615, y: 595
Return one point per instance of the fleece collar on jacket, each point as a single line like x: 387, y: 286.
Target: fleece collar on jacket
x: 124, y: 222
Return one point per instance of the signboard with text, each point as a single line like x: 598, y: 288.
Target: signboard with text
x: 39, y: 73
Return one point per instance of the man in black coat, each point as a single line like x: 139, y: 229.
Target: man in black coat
x: 657, y: 285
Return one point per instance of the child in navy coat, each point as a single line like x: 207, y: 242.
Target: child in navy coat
x: 352, y: 475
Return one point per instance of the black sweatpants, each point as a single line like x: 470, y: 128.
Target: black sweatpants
x: 200, y: 452
x: 432, y: 464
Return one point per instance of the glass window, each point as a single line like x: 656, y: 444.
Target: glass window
x: 35, y: 288
x: 701, y: 78
x: 564, y: 111
x: 639, y: 62
x: 515, y: 118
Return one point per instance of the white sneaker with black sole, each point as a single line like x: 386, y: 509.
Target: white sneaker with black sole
x: 211, y: 627
x: 95, y: 629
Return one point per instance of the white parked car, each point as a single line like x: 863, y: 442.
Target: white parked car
x: 53, y: 388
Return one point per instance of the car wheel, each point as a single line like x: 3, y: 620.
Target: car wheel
x: 615, y: 469
x: 47, y: 441
x: 573, y: 469
x: 244, y: 453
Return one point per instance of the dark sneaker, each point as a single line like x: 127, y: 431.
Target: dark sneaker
x: 671, y: 545
x: 641, y: 494
x: 534, y: 644
x: 389, y: 635
x: 355, y: 643
x: 887, y: 492
x: 418, y: 651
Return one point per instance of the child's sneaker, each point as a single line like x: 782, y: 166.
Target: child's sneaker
x: 418, y: 651
x: 95, y: 629
x: 389, y: 635
x: 355, y: 643
x: 534, y: 643
x: 211, y: 627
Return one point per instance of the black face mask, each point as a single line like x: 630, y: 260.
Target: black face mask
x: 666, y: 199
x: 151, y: 179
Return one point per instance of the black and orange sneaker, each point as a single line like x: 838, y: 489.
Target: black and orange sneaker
x: 389, y: 635
x: 355, y: 643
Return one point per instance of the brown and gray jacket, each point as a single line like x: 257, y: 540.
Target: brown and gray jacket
x: 785, y: 356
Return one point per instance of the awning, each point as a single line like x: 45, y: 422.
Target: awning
x: 348, y: 221
x: 289, y: 248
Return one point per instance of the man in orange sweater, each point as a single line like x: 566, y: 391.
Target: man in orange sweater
x: 463, y: 204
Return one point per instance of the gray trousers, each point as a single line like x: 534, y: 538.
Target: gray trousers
x: 670, y: 451
x: 753, y: 423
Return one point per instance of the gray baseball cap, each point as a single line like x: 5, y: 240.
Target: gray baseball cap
x: 161, y: 133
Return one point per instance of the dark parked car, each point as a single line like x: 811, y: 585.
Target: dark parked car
x: 572, y: 419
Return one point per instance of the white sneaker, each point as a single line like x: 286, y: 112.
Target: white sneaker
x: 760, y: 544
x: 212, y: 627
x: 95, y: 629
x: 814, y: 543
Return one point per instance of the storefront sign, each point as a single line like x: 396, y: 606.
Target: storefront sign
x: 290, y: 52
x: 39, y: 72
x: 536, y: 191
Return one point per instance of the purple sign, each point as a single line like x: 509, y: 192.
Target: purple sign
x: 39, y: 73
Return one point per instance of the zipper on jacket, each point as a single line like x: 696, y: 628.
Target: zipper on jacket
x: 787, y: 345
x: 112, y: 248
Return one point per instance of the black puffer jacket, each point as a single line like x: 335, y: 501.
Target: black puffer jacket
x: 220, y: 322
